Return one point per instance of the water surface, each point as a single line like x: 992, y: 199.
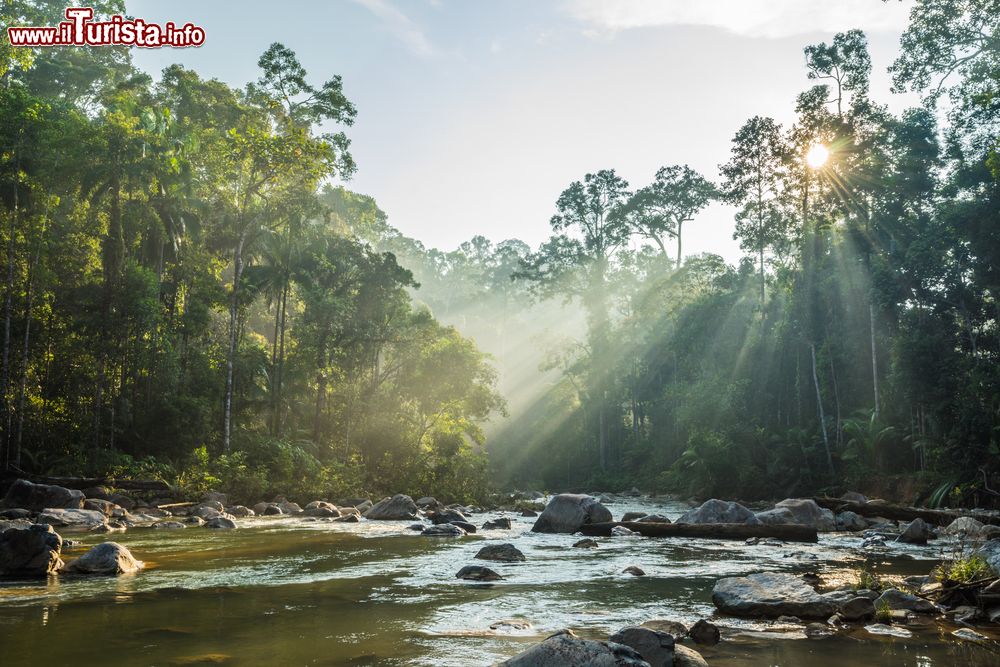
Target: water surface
x: 284, y: 591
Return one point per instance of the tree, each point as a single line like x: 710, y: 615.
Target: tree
x: 661, y: 208
x: 754, y: 179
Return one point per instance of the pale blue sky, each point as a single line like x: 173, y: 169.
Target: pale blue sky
x: 474, y: 115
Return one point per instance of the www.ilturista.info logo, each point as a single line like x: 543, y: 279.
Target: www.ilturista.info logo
x: 80, y: 30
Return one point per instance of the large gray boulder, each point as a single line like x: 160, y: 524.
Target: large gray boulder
x: 504, y: 553
x: 398, y: 508
x: 719, y: 511
x: 105, y: 558
x: 964, y: 526
x: 848, y: 520
x: 656, y: 648
x: 564, y: 649
x: 769, y: 595
x: 73, y: 518
x: 568, y: 512
x: 30, y: 552
x: 805, y: 511
x: 36, y: 497
x: 916, y: 532
x: 688, y: 657
x: 894, y: 598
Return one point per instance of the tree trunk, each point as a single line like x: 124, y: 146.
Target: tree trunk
x: 819, y: 408
x: 29, y: 294
x: 231, y: 353
x: 281, y: 361
x: 680, y: 223
x: 8, y: 306
x: 871, y: 322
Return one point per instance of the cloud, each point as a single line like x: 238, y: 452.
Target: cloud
x: 750, y: 18
x: 400, y: 26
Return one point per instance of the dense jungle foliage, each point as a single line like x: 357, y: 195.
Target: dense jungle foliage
x: 188, y: 295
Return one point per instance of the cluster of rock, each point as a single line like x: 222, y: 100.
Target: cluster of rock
x: 634, y: 646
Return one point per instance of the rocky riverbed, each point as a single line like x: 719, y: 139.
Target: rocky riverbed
x: 318, y: 588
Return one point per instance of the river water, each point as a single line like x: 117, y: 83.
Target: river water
x: 284, y: 591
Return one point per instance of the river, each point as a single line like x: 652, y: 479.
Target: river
x: 287, y: 591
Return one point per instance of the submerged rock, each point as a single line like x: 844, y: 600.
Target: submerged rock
x: 888, y: 630
x: 37, y: 497
x: 565, y: 649
x: 634, y: 570
x: 586, y: 543
x: 443, y: 530
x: 568, y: 512
x: 30, y: 552
x: 769, y: 595
x: 656, y: 648
x: 478, y: 573
x: 505, y: 553
x: 105, y: 558
x: 398, y: 508
x: 500, y: 523
x: 719, y: 511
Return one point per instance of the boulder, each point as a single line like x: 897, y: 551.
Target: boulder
x: 348, y: 518
x: 653, y: 518
x: 704, y: 632
x: 443, y: 530
x: 73, y: 518
x: 447, y: 516
x: 427, y: 501
x: 220, y: 522
x: 398, y: 508
x: 848, y: 520
x: 168, y: 525
x: 260, y: 507
x: 271, y: 510
x: 105, y: 507
x: 16, y: 513
x: 320, y: 504
x: 465, y: 525
x: 586, y: 543
x: 565, y: 649
x: 362, y: 504
x: 672, y: 628
x: 193, y: 521
x: 622, y: 531
x: 500, y: 523
x: 105, y: 558
x: 805, y: 511
x: 321, y: 512
x: 634, y: 570
x: 30, y: 552
x: 964, y: 526
x: 688, y: 657
x: 633, y: 516
x: 719, y: 511
x: 288, y: 507
x: 857, y: 608
x: 37, y: 497
x: 100, y: 493
x: 916, y: 532
x: 505, y: 553
x: 240, y: 511
x: 568, y: 512
x: 478, y: 573
x: 656, y: 648
x: 894, y: 598
x: 769, y: 595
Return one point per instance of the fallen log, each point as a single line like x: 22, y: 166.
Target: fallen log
x: 900, y: 512
x: 88, y: 482
x: 709, y: 531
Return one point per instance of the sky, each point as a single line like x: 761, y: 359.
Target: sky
x: 474, y: 115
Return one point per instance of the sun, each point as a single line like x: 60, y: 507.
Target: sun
x: 817, y: 156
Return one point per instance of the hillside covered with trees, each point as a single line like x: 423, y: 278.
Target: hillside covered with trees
x: 188, y: 294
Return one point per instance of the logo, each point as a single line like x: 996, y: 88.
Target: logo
x: 79, y: 29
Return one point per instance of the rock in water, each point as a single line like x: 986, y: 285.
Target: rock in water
x: 73, y: 518
x: 478, y: 573
x: 168, y: 525
x: 805, y: 511
x: 656, y: 648
x: 622, y: 531
x: 688, y: 657
x: 464, y: 525
x: 857, y: 608
x: 850, y: 521
x: 653, y: 518
x: 634, y: 570
x: 894, y: 598
x: 443, y: 530
x: 30, y: 552
x: 586, y: 543
x: 220, y: 522
x: 718, y: 511
x: 505, y: 553
x: 704, y: 632
x: 447, y: 516
x: 568, y: 512
x: 398, y: 508
x: 771, y: 594
x: 564, y: 649
x: 633, y: 516
x: 916, y: 532
x: 105, y: 558
x: 500, y: 523
x: 36, y: 497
